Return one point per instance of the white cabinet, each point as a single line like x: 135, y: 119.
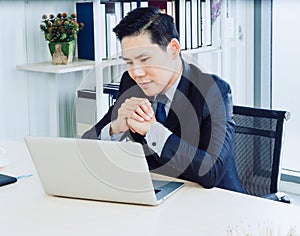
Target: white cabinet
x: 52, y: 95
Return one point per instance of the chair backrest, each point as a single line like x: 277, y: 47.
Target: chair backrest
x: 257, y: 148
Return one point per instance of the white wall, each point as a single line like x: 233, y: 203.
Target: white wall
x: 286, y: 79
x: 22, y: 42
x: 13, y: 88
x: 237, y: 49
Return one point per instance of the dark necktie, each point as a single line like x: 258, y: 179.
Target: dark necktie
x: 160, y: 113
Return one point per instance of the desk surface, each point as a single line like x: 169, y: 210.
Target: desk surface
x: 27, y: 210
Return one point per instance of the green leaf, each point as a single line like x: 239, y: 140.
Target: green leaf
x: 49, y: 36
x: 63, y: 36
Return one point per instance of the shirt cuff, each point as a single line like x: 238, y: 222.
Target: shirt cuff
x: 104, y: 134
x: 157, y: 136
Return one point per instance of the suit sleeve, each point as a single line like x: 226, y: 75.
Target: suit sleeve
x: 206, y: 163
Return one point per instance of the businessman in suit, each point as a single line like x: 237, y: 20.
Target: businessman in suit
x: 181, y: 116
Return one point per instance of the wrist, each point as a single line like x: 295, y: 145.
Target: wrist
x: 113, y: 129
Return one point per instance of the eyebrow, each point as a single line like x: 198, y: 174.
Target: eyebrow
x: 137, y: 57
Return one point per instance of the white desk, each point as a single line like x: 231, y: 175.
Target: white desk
x: 27, y: 210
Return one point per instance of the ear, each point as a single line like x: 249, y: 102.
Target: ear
x: 174, y: 47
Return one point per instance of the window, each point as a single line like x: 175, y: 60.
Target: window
x: 286, y: 76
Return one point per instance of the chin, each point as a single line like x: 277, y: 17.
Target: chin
x: 149, y: 93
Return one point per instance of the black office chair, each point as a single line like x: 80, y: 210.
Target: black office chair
x: 257, y: 148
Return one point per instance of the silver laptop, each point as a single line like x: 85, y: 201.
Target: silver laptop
x: 97, y: 170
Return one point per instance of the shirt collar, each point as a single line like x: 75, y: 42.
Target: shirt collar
x: 171, y: 91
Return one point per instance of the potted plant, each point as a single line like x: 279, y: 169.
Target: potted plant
x: 61, y: 33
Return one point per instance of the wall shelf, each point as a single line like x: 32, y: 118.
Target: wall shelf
x: 207, y: 49
x: 48, y: 67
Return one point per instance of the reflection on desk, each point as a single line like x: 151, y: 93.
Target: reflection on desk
x: 27, y: 210
x: 3, y: 160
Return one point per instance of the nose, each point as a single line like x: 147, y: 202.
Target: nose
x: 138, y: 71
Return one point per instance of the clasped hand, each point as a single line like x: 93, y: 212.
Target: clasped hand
x: 135, y: 114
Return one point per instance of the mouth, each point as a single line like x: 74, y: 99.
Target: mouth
x: 144, y: 85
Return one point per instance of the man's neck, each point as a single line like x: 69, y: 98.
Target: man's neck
x: 177, y: 74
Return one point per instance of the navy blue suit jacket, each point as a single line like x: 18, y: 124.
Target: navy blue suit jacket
x: 200, y: 148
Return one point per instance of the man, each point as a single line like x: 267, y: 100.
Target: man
x: 192, y: 137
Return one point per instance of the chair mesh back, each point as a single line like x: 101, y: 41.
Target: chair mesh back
x: 257, y: 145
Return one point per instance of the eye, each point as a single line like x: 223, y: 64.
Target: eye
x: 129, y: 62
x: 145, y: 59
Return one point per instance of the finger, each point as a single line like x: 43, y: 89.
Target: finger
x: 147, y: 109
x: 134, y: 102
x: 139, y: 111
x: 126, y: 111
x: 132, y: 130
x: 136, y: 116
x: 139, y: 106
x: 129, y: 122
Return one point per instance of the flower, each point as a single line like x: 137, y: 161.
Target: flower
x: 60, y: 28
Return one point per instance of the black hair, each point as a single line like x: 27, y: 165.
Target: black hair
x: 159, y: 26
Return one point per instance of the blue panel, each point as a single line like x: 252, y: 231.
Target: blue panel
x: 85, y: 40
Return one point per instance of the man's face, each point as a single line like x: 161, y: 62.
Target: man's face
x: 153, y: 69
